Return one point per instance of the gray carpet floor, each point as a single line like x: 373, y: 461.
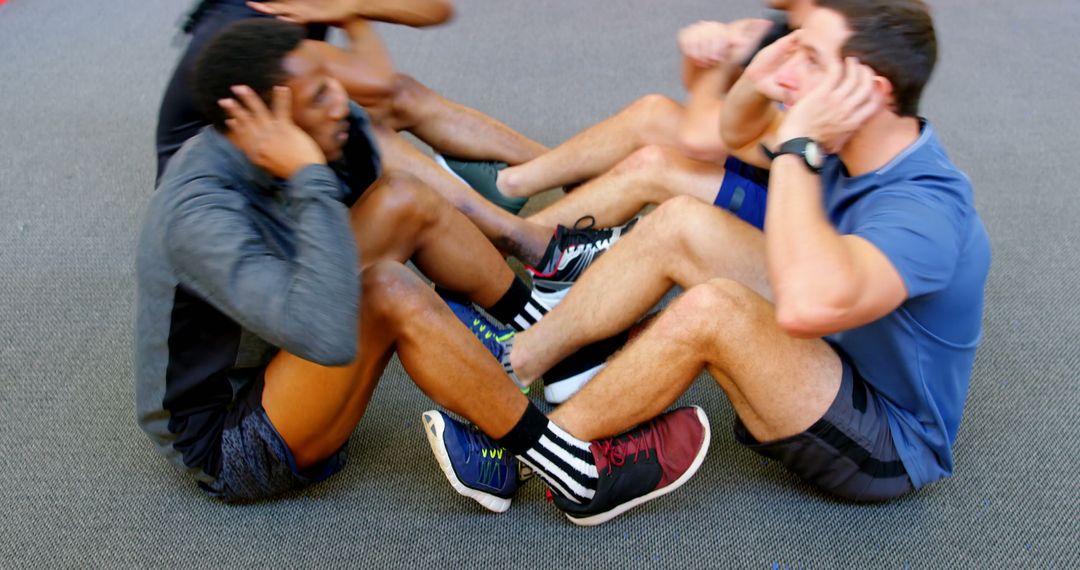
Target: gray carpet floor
x: 81, y: 487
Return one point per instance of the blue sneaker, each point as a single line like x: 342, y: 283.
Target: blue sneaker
x: 498, y: 341
x: 474, y: 464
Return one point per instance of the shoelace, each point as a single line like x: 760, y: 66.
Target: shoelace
x: 580, y: 235
x: 479, y: 328
x: 615, y: 450
x: 477, y: 442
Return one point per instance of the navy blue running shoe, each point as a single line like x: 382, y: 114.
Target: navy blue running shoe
x: 497, y: 340
x: 475, y: 465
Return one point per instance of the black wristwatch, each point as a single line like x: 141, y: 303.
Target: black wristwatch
x: 806, y: 147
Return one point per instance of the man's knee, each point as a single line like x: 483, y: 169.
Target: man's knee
x: 393, y: 291
x: 408, y: 97
x: 658, y: 118
x: 647, y: 159
x: 678, y: 218
x: 713, y: 312
x: 404, y: 199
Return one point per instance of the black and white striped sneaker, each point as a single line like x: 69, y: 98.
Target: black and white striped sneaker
x: 571, y: 252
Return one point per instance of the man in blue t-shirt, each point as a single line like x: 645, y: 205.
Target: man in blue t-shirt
x: 843, y: 334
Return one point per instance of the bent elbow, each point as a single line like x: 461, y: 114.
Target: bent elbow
x: 332, y: 354
x: 701, y: 146
x: 812, y: 318
x: 733, y: 138
x: 437, y: 12
x: 327, y: 347
x: 796, y: 323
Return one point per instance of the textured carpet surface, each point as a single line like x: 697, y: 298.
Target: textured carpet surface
x: 79, y: 87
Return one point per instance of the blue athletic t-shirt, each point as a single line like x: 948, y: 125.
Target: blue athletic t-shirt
x: 918, y: 210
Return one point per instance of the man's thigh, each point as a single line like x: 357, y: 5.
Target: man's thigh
x: 316, y: 408
x: 849, y: 452
x: 779, y: 385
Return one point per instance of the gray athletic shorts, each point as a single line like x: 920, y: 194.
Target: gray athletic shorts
x: 849, y: 452
x: 257, y: 464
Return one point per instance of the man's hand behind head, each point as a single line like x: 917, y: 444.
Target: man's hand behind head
x: 745, y: 36
x: 847, y: 96
x: 763, y: 69
x: 705, y: 43
x: 269, y: 137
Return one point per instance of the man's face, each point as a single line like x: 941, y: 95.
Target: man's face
x: 817, y: 44
x: 319, y: 102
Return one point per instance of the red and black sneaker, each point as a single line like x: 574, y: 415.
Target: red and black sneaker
x: 642, y: 464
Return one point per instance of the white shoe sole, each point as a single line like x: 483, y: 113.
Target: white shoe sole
x: 561, y: 391
x: 694, y: 466
x: 434, y: 426
x: 552, y: 298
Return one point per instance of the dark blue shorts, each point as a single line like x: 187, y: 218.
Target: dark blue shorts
x: 849, y: 452
x: 257, y: 464
x: 743, y: 192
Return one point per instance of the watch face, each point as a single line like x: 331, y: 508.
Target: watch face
x: 813, y: 154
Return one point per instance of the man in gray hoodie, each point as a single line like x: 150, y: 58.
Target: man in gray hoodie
x: 272, y: 293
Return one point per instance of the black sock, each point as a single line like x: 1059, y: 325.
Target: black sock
x: 452, y: 295
x: 564, y: 462
x: 517, y: 307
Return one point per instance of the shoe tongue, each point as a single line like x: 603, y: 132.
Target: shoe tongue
x: 547, y: 262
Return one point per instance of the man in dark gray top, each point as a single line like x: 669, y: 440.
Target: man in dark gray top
x: 272, y: 293
x: 250, y: 261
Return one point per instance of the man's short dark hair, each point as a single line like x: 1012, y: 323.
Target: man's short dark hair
x: 249, y: 52
x: 896, y: 39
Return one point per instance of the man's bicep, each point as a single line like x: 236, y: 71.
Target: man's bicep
x: 881, y: 288
x: 217, y: 253
x: 917, y: 230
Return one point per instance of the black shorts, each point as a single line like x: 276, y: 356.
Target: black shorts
x: 849, y: 452
x: 256, y: 463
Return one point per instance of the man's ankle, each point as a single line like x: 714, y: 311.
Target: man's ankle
x: 520, y: 360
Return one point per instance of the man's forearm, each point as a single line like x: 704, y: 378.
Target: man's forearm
x: 365, y: 68
x: 747, y: 114
x: 416, y: 13
x: 810, y: 267
x: 699, y: 128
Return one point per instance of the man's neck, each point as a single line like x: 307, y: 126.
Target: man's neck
x: 879, y: 141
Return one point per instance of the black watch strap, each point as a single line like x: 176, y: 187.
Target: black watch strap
x: 796, y: 146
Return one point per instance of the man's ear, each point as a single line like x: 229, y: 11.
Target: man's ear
x: 884, y: 87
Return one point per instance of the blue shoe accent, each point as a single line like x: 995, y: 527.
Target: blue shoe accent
x: 475, y: 465
x: 497, y: 340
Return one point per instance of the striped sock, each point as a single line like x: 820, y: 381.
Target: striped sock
x: 518, y: 308
x: 564, y: 462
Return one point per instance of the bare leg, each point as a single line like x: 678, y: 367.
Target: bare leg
x: 509, y: 233
x: 650, y: 175
x: 400, y: 219
x: 451, y: 128
x: 684, y: 242
x: 778, y: 385
x: 316, y: 408
x: 653, y: 119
